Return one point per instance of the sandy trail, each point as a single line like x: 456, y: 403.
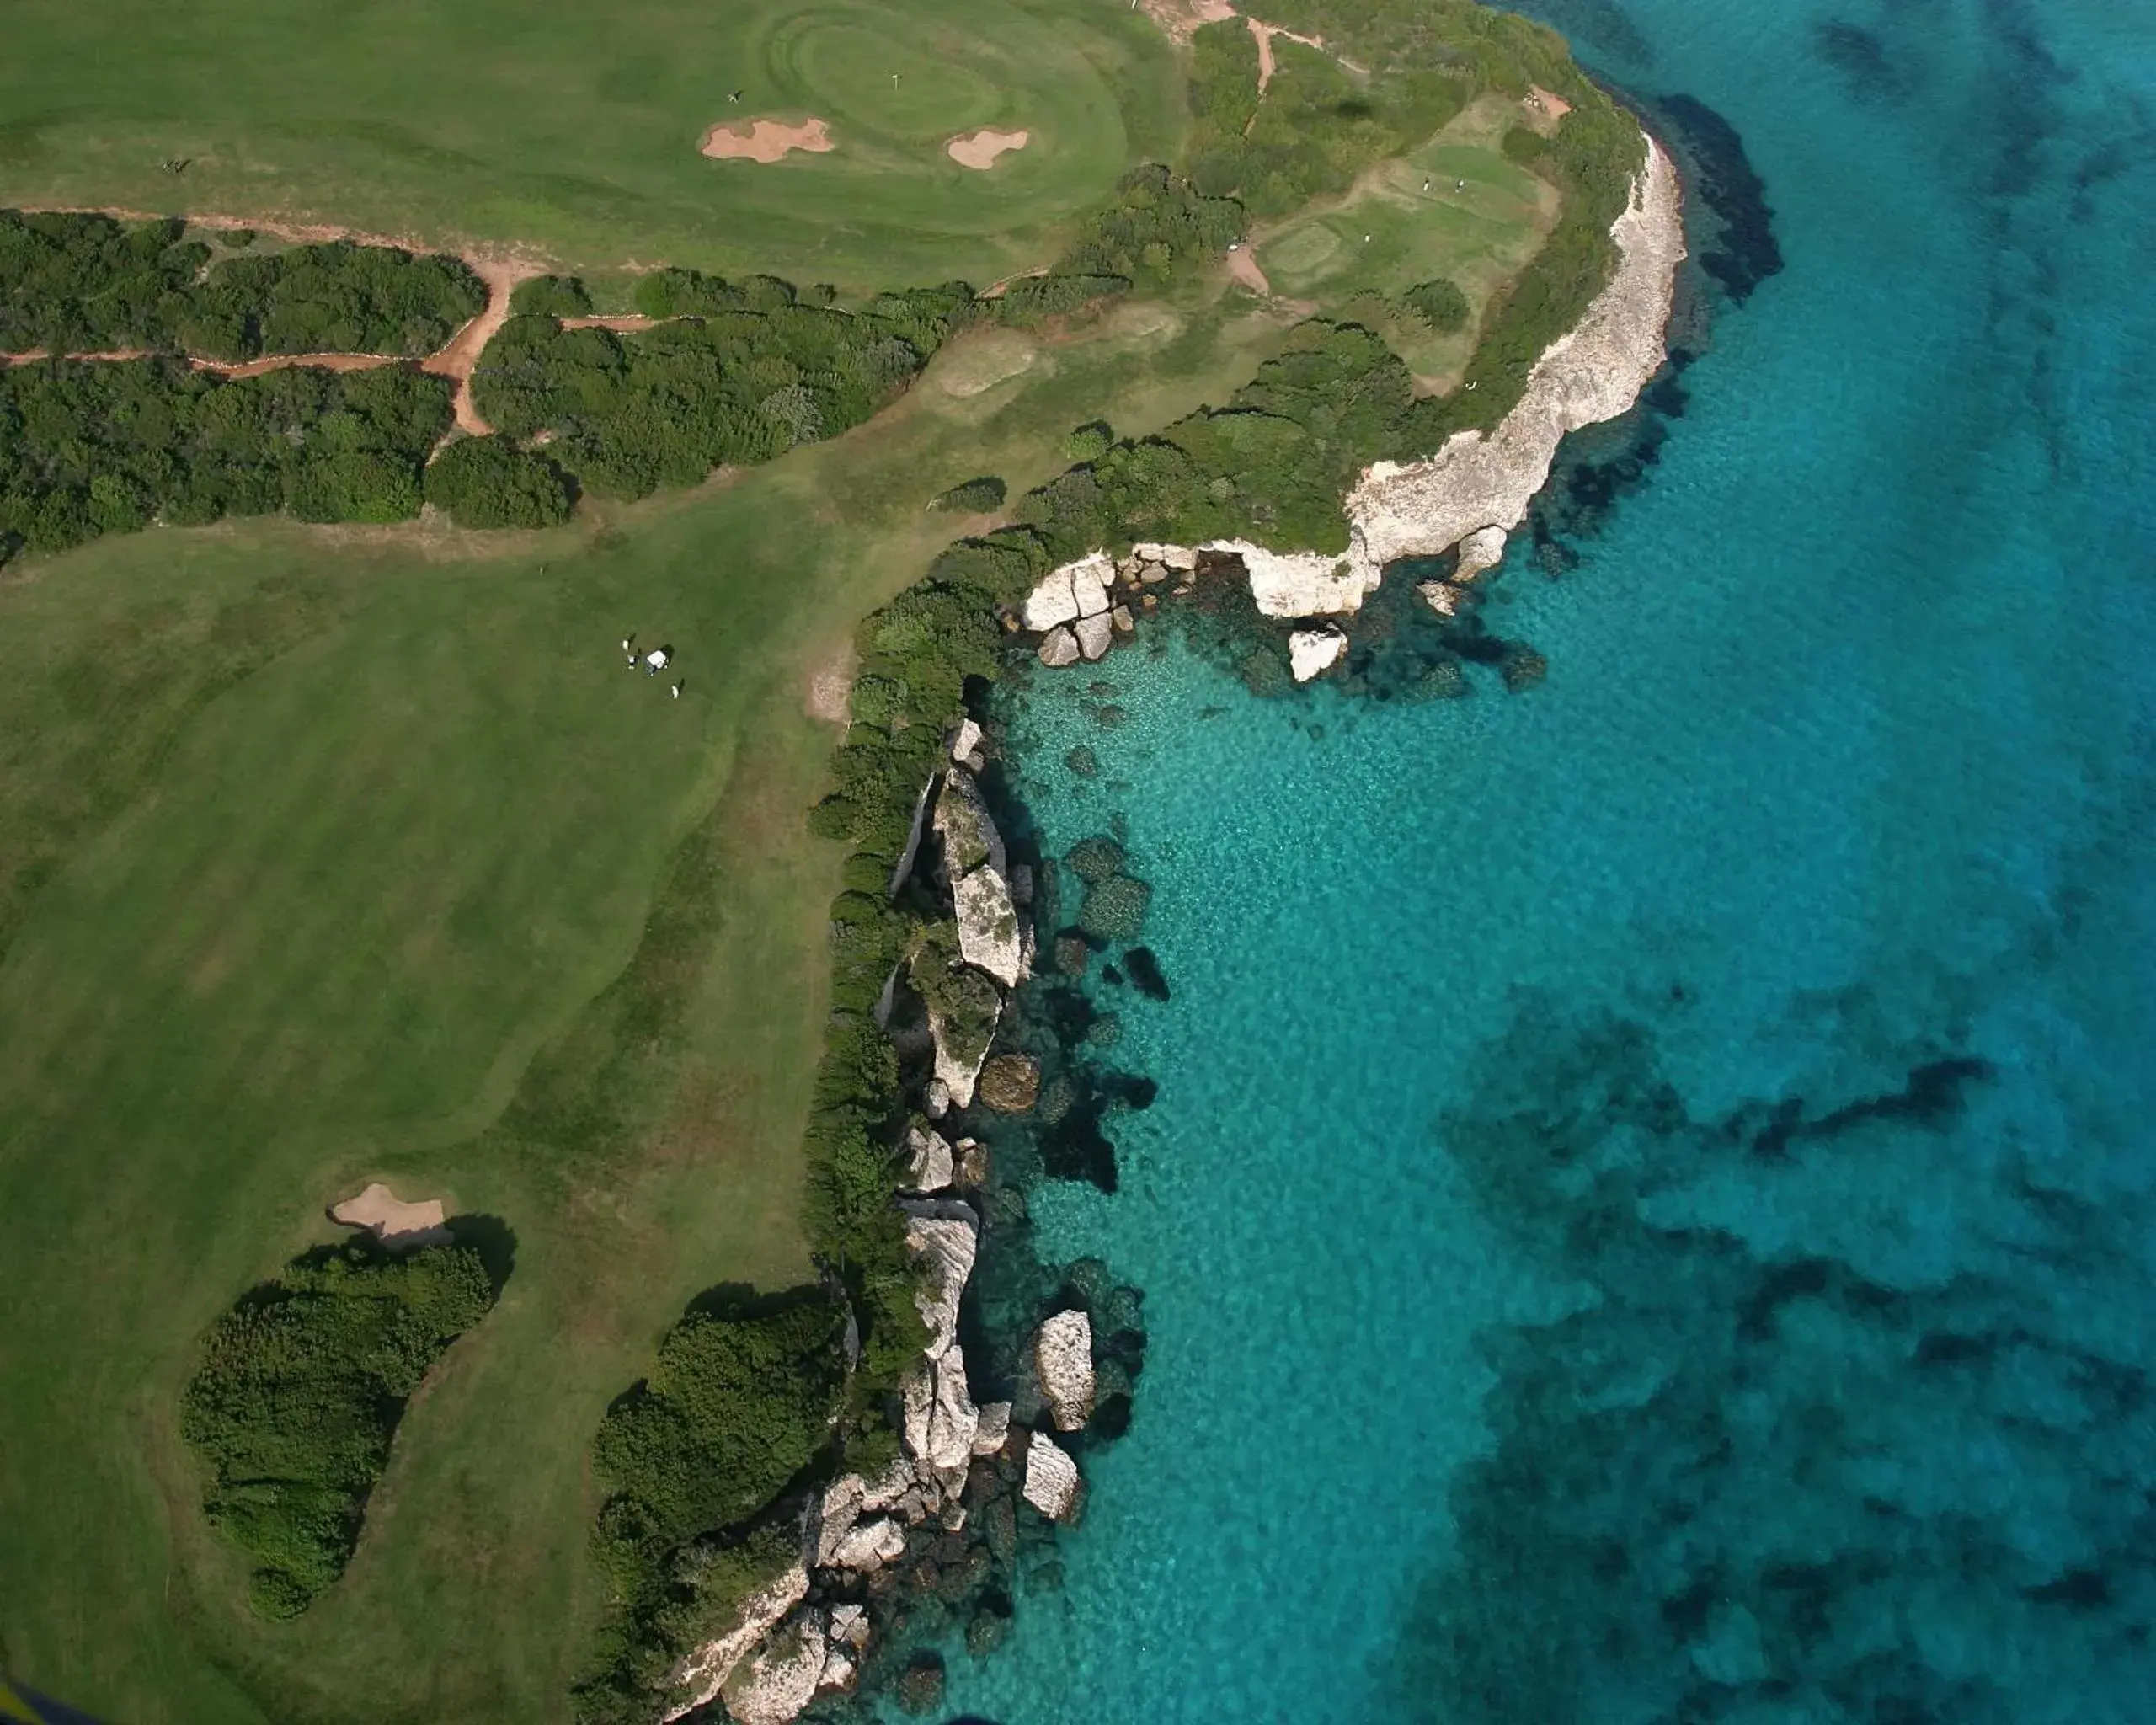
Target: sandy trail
x: 461, y: 357
x: 1265, y: 33
x: 979, y: 149
x: 625, y: 323
x: 765, y: 139
x: 1243, y: 267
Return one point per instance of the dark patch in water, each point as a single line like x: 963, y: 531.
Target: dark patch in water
x: 1860, y: 57
x: 1738, y: 248
x: 1145, y: 973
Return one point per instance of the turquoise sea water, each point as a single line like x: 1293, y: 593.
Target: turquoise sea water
x: 1647, y: 1214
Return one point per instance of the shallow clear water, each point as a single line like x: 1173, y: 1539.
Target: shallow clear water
x: 1647, y: 1212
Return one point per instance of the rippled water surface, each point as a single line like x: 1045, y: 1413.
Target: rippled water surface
x: 1648, y: 1210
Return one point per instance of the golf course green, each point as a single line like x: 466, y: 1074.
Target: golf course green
x: 574, y: 135
x: 330, y: 855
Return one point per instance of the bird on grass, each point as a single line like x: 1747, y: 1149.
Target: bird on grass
x: 675, y: 691
x: 629, y: 650
x: 733, y: 96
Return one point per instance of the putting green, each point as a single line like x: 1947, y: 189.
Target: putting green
x: 577, y: 137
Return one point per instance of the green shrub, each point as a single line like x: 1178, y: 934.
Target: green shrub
x: 974, y: 497
x: 1439, y: 303
x: 551, y: 297
x: 488, y: 482
x: 1089, y: 442
x: 298, y: 1393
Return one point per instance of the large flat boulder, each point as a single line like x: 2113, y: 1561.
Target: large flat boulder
x: 1052, y: 1482
x: 1052, y: 601
x: 929, y: 1161
x: 1295, y: 584
x: 868, y: 1546
x: 965, y: 827
x: 944, y: 1238
x: 1095, y: 634
x: 1091, y: 577
x: 1311, y: 652
x: 1063, y: 1360
x: 952, y: 1419
x: 989, y: 937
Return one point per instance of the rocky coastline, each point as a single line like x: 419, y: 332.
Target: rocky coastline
x: 1464, y: 501
x: 1003, y: 1052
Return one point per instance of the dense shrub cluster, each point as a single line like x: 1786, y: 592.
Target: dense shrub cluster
x: 973, y: 496
x: 740, y: 1400
x: 742, y: 375
x: 89, y: 284
x: 299, y: 1392
x: 1157, y: 227
x: 89, y: 447
x: 551, y: 297
x: 488, y: 482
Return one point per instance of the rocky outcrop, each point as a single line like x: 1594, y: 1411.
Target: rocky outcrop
x: 1075, y: 590
x: 965, y: 828
x: 989, y: 937
x: 1052, y: 1483
x: 952, y: 1419
x: 1591, y: 374
x: 929, y: 1162
x: 1181, y: 559
x: 1090, y: 577
x: 1313, y: 651
x: 905, y: 866
x: 1304, y: 583
x: 869, y: 1546
x: 775, y: 1686
x: 944, y: 1238
x: 702, y: 1675
x: 1095, y: 634
x: 956, y: 1068
x: 993, y: 1429
x: 833, y: 1518
x: 1059, y: 648
x: 1483, y: 549
x: 965, y: 743
x: 1063, y: 1360
x: 974, y: 856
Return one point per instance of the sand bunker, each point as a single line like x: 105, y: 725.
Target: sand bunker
x: 979, y: 362
x: 765, y: 139
x: 392, y: 1221
x: 979, y: 149
x: 1542, y: 101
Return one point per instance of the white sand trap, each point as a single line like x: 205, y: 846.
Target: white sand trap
x: 766, y: 140
x: 391, y: 1221
x: 979, y: 149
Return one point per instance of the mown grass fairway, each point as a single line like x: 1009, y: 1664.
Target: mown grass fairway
x: 574, y: 133
x: 359, y: 853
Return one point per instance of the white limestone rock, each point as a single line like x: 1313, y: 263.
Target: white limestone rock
x: 701, y: 1676
x: 1483, y: 549
x: 774, y: 1687
x: 1123, y: 621
x: 1052, y: 1483
x: 968, y: 739
x: 957, y: 1071
x: 1095, y: 634
x: 993, y: 1428
x: 1183, y: 558
x: 1443, y: 599
x: 841, y: 1674
x: 850, y: 1626
x: 1059, y: 648
x: 1063, y: 1360
x: 837, y: 1516
x: 1593, y: 373
x: 869, y: 1546
x: 1311, y: 651
x: 1052, y: 601
x: 917, y: 1395
x: 988, y: 924
x: 1292, y: 584
x: 944, y: 1238
x: 965, y: 827
x: 930, y: 1165
x: 952, y: 1419
x: 1091, y: 577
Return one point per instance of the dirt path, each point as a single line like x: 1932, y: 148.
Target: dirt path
x: 457, y: 360
x: 461, y: 357
x: 1243, y: 267
x: 625, y: 323
x: 1264, y: 34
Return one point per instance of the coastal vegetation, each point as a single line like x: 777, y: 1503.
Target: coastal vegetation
x: 299, y: 1393
x: 87, y: 283
x: 91, y: 447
